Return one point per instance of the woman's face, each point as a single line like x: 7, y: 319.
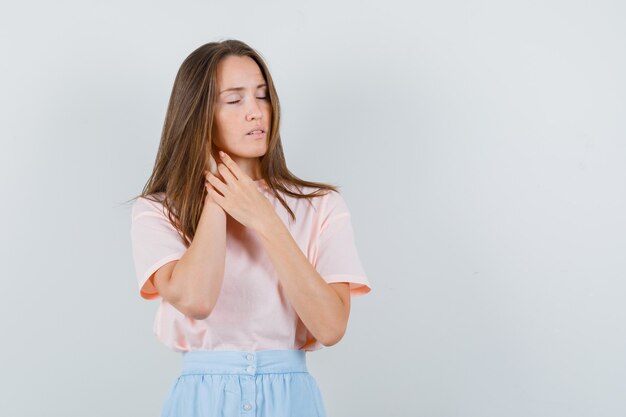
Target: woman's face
x: 242, y: 105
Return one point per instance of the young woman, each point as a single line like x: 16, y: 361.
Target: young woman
x: 253, y: 266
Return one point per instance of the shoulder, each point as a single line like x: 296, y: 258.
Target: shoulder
x: 149, y: 205
x: 328, y: 204
x: 333, y: 204
x: 328, y: 198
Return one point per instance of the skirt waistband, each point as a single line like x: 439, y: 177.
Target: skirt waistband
x: 244, y: 362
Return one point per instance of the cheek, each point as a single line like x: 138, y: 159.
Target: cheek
x: 225, y: 120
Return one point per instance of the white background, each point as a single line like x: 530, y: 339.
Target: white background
x: 479, y: 145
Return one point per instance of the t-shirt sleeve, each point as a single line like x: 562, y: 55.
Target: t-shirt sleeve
x: 337, y: 256
x: 155, y: 242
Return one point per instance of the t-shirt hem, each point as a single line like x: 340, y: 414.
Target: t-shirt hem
x: 359, y: 285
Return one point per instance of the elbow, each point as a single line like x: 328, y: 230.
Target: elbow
x: 333, y: 338
x: 334, y: 333
x: 200, y: 311
x: 193, y: 306
x: 194, y: 309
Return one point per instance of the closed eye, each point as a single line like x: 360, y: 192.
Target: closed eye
x: 237, y: 101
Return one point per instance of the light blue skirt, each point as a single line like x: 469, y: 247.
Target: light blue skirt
x: 265, y: 383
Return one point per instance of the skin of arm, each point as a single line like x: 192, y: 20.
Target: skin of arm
x: 197, y: 277
x: 323, y: 308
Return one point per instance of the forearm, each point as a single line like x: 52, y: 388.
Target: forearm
x: 197, y: 277
x: 319, y: 307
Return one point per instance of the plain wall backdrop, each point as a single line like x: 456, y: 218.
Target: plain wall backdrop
x: 481, y: 149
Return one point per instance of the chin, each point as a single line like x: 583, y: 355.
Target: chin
x: 250, y: 153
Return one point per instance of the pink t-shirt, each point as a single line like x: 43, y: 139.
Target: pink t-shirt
x: 252, y: 311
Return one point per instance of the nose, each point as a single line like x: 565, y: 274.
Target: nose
x: 254, y: 112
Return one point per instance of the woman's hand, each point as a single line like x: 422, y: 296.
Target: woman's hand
x: 239, y: 196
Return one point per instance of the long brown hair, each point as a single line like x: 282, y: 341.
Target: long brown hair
x: 186, y: 140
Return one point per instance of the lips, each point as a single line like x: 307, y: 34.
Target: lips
x: 256, y: 131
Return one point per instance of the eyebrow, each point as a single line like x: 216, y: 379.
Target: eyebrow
x: 241, y: 88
